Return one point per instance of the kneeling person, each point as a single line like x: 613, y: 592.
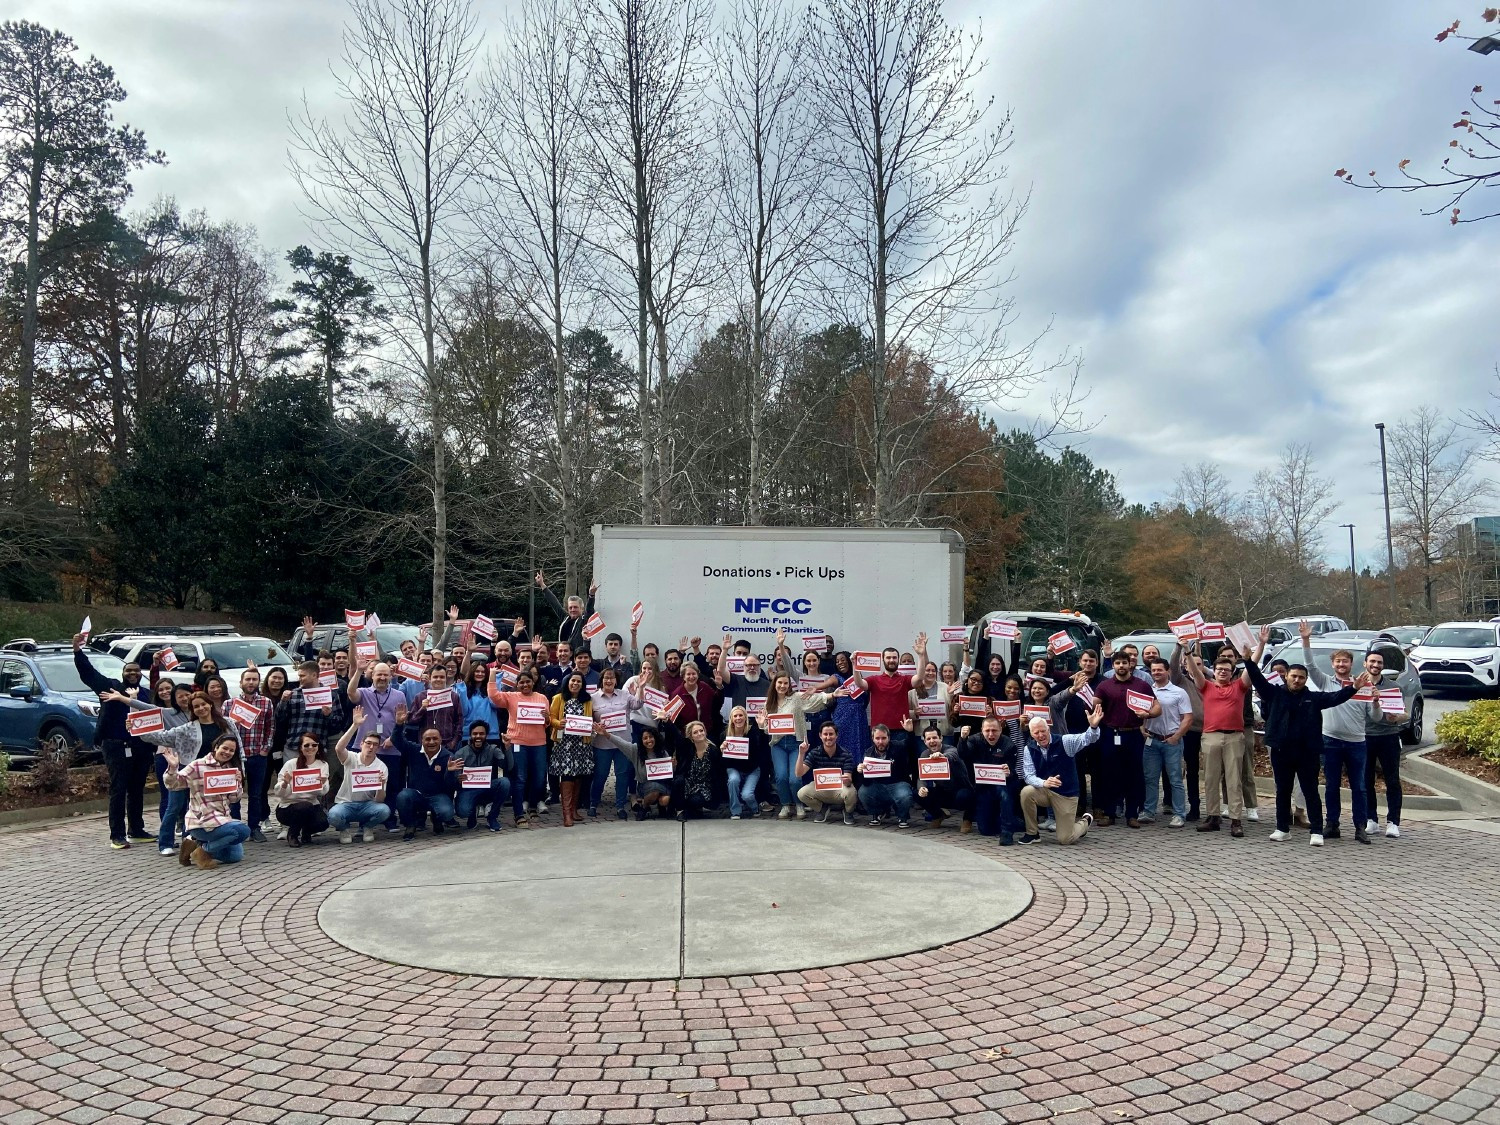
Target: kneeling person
x: 1052, y: 777
x: 886, y: 788
x: 478, y: 753
x: 827, y: 755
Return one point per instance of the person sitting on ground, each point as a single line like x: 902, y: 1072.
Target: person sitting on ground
x: 826, y: 755
x: 301, y: 810
x: 885, y: 794
x: 941, y: 797
x: 479, y: 752
x: 364, y: 807
x: 651, y: 745
x: 1052, y: 777
x: 213, y: 835
x: 698, y: 771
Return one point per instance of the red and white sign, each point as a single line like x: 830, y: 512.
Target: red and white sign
x: 990, y: 773
x: 410, y: 669
x: 580, y: 726
x: 865, y: 662
x: 654, y: 698
x: 906, y: 669
x: 367, y: 650
x: 372, y: 621
x: 779, y: 725
x: 482, y: 626
x: 1210, y: 631
x: 674, y: 708
x: 933, y: 769
x: 931, y: 709
x: 974, y: 706
x: 1242, y: 637
x: 1061, y: 642
x: 476, y: 777
x: 851, y: 689
x: 148, y: 721
x: 875, y: 768
x: 1086, y: 695
x: 953, y: 634
x: 354, y: 618
x: 1274, y: 678
x: 593, y: 627
x: 169, y: 659
x: 1038, y: 711
x: 755, y: 706
x: 658, y: 769
x: 307, y: 781
x: 508, y: 674
x: 737, y: 748
x: 1139, y: 701
x: 810, y: 683
x: 438, y: 699
x: 219, y: 783
x: 1002, y: 630
x: 830, y: 780
x: 814, y: 642
x: 242, y: 713
x: 616, y: 722
x: 735, y: 664
x: 328, y: 679
x: 365, y: 780
x: 317, y: 697
x: 1364, y: 695
x: 531, y: 713
x: 637, y: 611
x: 1392, y: 702
x: 1007, y: 708
x: 1185, y: 628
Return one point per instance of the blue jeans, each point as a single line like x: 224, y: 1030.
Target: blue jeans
x: 1158, y: 755
x: 223, y: 843
x: 495, y: 796
x: 362, y: 813
x: 993, y: 813
x: 160, y: 766
x: 742, y: 790
x: 1339, y: 756
x: 395, y: 781
x: 531, y: 777
x: 624, y: 776
x: 414, y: 807
x: 881, y: 797
x: 177, y: 803
x: 783, y: 758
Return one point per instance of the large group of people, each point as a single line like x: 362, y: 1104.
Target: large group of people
x: 435, y: 737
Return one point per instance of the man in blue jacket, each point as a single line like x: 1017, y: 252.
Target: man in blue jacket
x: 1052, y: 777
x: 127, y: 758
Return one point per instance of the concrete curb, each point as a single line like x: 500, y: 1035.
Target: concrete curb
x: 44, y: 813
x: 1440, y: 801
x: 1474, y: 795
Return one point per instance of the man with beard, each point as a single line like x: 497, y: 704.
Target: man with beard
x: 127, y: 758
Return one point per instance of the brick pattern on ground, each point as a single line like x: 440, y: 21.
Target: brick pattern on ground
x: 1159, y: 976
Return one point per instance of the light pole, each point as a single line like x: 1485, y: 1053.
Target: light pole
x: 1385, y: 487
x: 1353, y: 574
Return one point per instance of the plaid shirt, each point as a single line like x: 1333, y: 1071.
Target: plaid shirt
x: 255, y: 738
x: 203, y: 811
x: 295, y: 719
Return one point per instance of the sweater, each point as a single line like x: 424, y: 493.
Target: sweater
x: 1294, y: 719
x: 1347, y: 720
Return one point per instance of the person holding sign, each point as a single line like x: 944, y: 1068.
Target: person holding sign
x: 698, y: 770
x: 657, y: 770
x: 989, y: 754
x: 1128, y: 702
x: 528, y: 711
x: 126, y: 757
x: 300, y: 789
x: 487, y: 761
x: 1344, y: 749
x: 573, y: 729
x: 213, y: 783
x: 574, y: 616
x: 1051, y: 773
x: 255, y: 716
x: 787, y: 747
x: 832, y: 776
x: 438, y: 709
x: 745, y: 751
x: 930, y: 702
x: 361, y: 795
x: 1383, y: 743
x: 890, y: 691
x: 700, y: 701
x: 886, y: 787
x: 944, y: 784
x: 296, y: 717
x: 611, y: 743
x: 429, y: 783
x: 1224, y: 703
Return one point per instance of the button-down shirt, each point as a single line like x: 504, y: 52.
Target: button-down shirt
x: 255, y: 738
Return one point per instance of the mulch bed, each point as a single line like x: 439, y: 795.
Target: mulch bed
x: 1471, y: 764
x: 87, y: 783
x: 1409, y: 788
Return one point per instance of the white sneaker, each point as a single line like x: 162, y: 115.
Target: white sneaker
x: 168, y: 851
x: 735, y: 816
x: 1146, y: 818
x: 1372, y: 826
x: 801, y: 812
x: 281, y: 835
x: 1175, y: 822
x: 346, y: 837
x: 1315, y: 840
x: 1252, y: 814
x: 541, y: 807
x: 1279, y: 835
x: 369, y: 835
x: 785, y: 813
x: 1393, y: 831
x: 1049, y: 825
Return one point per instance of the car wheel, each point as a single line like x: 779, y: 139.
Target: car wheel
x: 1412, y: 735
x: 54, y: 742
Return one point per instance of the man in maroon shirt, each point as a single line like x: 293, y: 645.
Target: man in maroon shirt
x: 888, y: 690
x: 1121, y: 744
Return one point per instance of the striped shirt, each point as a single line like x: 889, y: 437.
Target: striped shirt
x: 255, y: 738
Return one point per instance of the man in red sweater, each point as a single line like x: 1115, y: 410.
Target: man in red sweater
x: 889, y: 706
x: 1223, y: 736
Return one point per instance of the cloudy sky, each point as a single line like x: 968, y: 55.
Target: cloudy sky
x: 1186, y: 233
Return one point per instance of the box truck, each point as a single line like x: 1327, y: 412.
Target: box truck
x: 864, y: 587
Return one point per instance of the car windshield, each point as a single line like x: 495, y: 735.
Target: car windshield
x: 61, y: 675
x: 391, y: 636
x: 1406, y: 634
x: 234, y: 652
x: 1460, y: 636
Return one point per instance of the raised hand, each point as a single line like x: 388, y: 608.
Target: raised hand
x: 593, y: 588
x: 920, y: 645
x: 359, y: 715
x: 401, y: 712
x: 540, y: 581
x: 308, y: 625
x: 1304, y: 630
x: 1265, y: 634
x: 169, y: 756
x: 1096, y: 716
x: 453, y: 613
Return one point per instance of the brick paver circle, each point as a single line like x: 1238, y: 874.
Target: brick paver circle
x: 1157, y: 976
x: 666, y: 899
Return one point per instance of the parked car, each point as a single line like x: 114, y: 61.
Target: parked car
x: 44, y: 706
x: 1460, y: 654
x: 334, y: 637
x: 231, y: 652
x: 1320, y: 623
x: 1408, y: 636
x: 1398, y: 670
x: 1035, y: 628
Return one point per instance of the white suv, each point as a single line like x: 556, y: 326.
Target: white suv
x: 1464, y: 654
x: 229, y: 651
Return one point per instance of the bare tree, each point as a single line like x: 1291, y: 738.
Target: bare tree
x: 645, y: 125
x: 537, y: 208
x: 920, y: 230
x: 1203, y: 489
x: 388, y: 182
x: 1292, y: 503
x: 1434, y: 487
x: 771, y: 212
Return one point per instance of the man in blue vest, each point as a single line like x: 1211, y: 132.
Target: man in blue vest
x: 1052, y: 777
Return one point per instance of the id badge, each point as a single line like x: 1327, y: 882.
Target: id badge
x: 127, y: 750
x: 1119, y: 741
x: 380, y: 727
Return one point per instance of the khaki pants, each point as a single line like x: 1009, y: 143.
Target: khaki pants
x: 1246, y: 778
x: 813, y: 797
x: 1223, y: 770
x: 1069, y: 828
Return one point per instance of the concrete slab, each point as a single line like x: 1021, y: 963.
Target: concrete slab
x: 618, y: 901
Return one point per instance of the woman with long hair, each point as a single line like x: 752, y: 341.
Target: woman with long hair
x: 528, y: 712
x: 654, y: 793
x: 208, y: 667
x: 300, y: 808
x: 612, y: 749
x: 742, y: 775
x: 213, y: 835
x: 700, y: 771
x: 217, y: 690
x: 783, y: 699
x: 572, y: 754
x: 641, y: 717
x: 474, y: 693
